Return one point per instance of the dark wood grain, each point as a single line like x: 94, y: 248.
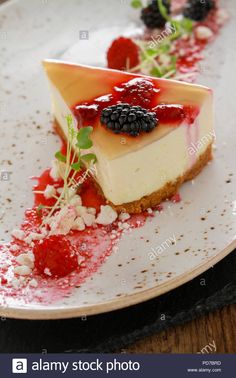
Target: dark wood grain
x: 192, y: 337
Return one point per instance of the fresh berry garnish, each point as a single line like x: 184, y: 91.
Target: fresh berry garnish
x: 123, y: 54
x: 55, y: 256
x: 169, y: 113
x: 151, y: 15
x: 131, y: 120
x: 85, y: 112
x: 198, y: 10
x: 137, y: 91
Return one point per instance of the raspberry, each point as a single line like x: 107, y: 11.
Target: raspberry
x: 86, y: 112
x: 169, y: 112
x: 137, y: 91
x: 122, y: 54
x: 55, y: 256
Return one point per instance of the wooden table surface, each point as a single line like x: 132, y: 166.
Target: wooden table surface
x: 218, y: 327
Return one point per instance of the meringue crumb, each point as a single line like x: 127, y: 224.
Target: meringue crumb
x: 15, y: 283
x: 49, y: 192
x: 14, y: 248
x: 106, y: 216
x: 18, y: 234
x: 91, y: 210
x: 75, y: 200
x: 47, y: 272
x: 115, y: 249
x: 26, y: 259
x: 203, y: 32
x: 124, y: 216
x: 22, y: 270
x: 81, y: 259
x: 123, y: 226
x: 78, y: 224
x: 33, y: 282
x: 35, y: 236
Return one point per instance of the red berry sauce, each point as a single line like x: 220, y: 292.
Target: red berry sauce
x: 189, y: 51
x: 68, y: 259
x: 176, y: 198
x: 137, y: 91
x: 170, y: 113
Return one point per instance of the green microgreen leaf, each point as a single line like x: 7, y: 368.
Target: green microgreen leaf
x: 161, y: 45
x: 83, y: 140
x: 177, y: 30
x: 151, y: 51
x: 76, y: 166
x: 187, y: 24
x: 72, y: 132
x: 73, y: 163
x: 69, y: 120
x: 59, y: 156
x: 164, y: 48
x: 163, y: 10
x: 88, y: 158
x: 173, y: 59
x: 156, y: 71
x: 136, y: 4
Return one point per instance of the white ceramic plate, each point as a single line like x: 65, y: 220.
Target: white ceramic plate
x: 204, y: 223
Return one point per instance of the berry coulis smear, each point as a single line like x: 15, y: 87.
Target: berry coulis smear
x: 140, y: 92
x: 70, y: 259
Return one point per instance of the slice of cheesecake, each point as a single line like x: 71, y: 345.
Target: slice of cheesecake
x: 140, y: 168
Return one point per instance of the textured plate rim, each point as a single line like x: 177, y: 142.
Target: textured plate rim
x: 23, y: 312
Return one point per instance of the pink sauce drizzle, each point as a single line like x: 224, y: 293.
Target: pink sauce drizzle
x: 189, y: 51
x: 94, y: 244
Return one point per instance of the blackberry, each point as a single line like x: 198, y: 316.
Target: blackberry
x: 198, y: 10
x: 151, y: 15
x: 128, y: 119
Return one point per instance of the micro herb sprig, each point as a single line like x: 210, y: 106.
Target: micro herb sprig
x: 72, y: 163
x: 163, y: 10
x: 182, y: 26
x: 157, y: 58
